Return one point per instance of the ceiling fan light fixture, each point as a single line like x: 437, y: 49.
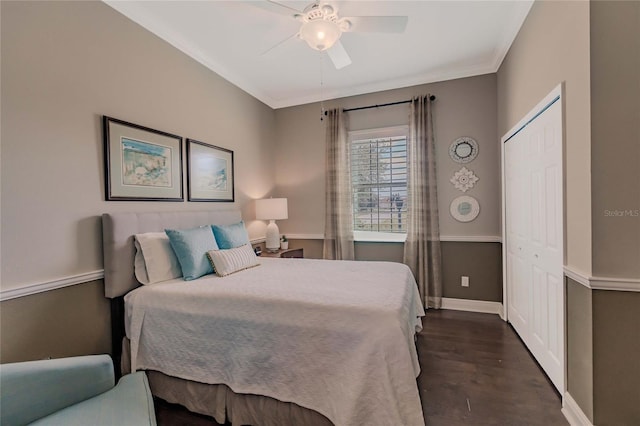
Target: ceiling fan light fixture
x: 322, y: 26
x: 320, y: 34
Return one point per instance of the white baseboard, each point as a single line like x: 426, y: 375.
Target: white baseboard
x: 573, y: 413
x: 470, y: 305
x: 471, y: 238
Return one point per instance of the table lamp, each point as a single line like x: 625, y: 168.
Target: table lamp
x: 272, y: 209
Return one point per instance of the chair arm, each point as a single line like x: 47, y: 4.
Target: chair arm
x: 34, y: 389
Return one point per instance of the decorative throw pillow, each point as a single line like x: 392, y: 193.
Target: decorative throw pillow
x: 227, y: 262
x: 230, y: 236
x: 155, y: 260
x: 191, y: 246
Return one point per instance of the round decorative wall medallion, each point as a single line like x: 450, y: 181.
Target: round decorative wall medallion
x: 464, y: 208
x: 463, y: 150
x: 464, y: 179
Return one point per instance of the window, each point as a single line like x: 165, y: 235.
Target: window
x: 379, y: 183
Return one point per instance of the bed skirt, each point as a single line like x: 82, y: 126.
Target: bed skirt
x: 222, y: 403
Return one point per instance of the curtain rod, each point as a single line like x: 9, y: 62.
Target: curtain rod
x: 431, y: 98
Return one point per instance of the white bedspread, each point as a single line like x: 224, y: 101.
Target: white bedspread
x: 333, y: 336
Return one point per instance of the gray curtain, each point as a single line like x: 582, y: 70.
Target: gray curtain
x: 422, y: 247
x: 338, y: 222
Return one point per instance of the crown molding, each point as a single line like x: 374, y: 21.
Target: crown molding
x: 136, y: 13
x: 391, y: 84
x: 510, y: 33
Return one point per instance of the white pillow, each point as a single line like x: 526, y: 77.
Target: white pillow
x: 155, y: 260
x: 227, y: 262
x: 138, y: 264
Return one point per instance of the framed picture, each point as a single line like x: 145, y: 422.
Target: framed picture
x: 210, y: 172
x: 141, y: 164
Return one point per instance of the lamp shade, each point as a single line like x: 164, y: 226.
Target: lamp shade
x: 272, y: 209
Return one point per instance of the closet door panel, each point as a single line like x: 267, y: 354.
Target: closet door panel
x: 534, y: 239
x: 517, y: 203
x: 539, y: 325
x: 519, y: 294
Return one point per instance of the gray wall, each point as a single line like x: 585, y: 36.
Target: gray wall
x: 464, y: 107
x: 481, y: 262
x: 594, y: 48
x: 603, y: 350
x: 616, y: 357
x: 553, y: 47
x: 580, y: 345
x: 66, y: 322
x: 64, y: 64
x: 615, y: 155
x: 615, y: 138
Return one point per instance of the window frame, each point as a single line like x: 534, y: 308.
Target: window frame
x: 377, y: 133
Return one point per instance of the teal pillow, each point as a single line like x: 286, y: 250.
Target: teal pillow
x: 230, y: 236
x: 191, y: 247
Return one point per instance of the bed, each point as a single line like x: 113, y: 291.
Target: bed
x: 291, y: 341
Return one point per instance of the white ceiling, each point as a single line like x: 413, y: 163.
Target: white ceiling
x: 443, y: 40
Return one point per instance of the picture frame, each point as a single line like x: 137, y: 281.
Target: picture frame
x: 141, y: 164
x: 210, y: 172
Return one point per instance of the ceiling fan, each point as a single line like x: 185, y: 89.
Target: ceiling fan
x: 322, y: 26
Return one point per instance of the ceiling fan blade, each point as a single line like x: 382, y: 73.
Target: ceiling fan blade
x: 378, y: 24
x: 339, y: 55
x: 275, y: 7
x: 274, y: 47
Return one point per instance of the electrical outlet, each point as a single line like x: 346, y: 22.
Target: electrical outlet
x: 464, y: 282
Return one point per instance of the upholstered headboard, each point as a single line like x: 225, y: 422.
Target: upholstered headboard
x: 119, y: 251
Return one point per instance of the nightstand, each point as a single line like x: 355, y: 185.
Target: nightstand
x: 290, y: 253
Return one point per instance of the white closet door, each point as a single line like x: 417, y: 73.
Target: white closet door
x: 518, y: 206
x: 534, y: 239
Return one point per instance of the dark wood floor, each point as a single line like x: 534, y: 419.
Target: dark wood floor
x: 475, y: 371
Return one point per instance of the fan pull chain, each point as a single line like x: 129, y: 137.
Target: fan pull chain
x: 322, y: 111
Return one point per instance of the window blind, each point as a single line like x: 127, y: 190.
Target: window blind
x: 379, y: 184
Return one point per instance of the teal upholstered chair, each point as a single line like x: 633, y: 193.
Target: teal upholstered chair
x: 73, y: 391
